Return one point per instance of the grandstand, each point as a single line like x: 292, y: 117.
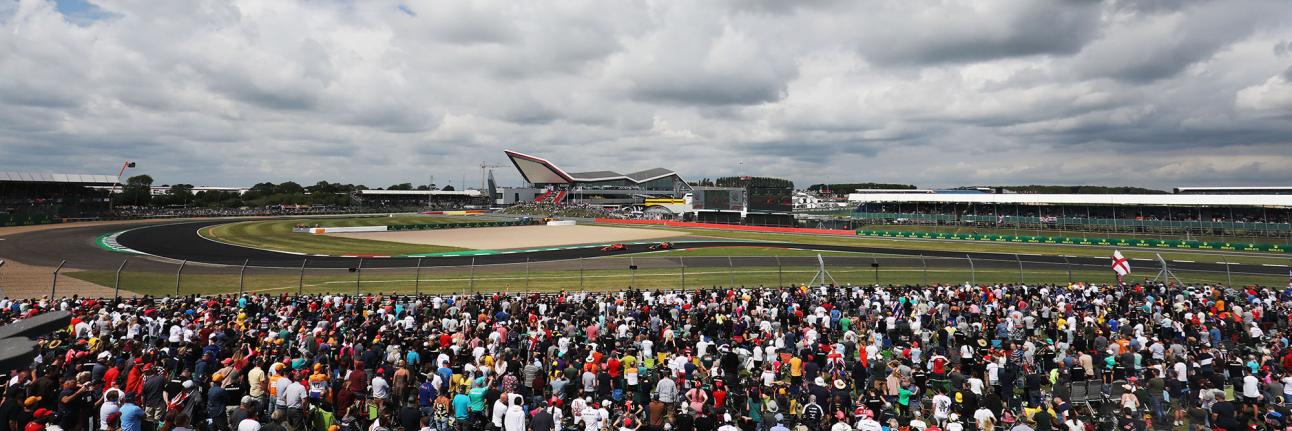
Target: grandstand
x: 1227, y: 217
x: 39, y: 198
x: 551, y: 184
x: 429, y: 199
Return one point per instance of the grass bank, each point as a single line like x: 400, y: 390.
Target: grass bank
x: 277, y: 235
x: 978, y: 246
x: 514, y: 278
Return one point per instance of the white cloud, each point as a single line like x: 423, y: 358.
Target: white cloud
x: 381, y: 92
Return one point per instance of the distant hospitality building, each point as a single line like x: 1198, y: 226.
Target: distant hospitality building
x: 551, y: 184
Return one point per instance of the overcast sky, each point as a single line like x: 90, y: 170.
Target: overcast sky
x: 1156, y: 93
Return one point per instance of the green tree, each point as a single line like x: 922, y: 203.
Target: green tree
x: 137, y: 191
x: 401, y: 186
x: 288, y: 188
x: 179, y: 194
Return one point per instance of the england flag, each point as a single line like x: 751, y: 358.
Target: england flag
x: 1120, y: 265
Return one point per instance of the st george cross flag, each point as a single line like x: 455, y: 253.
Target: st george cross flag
x: 1120, y: 265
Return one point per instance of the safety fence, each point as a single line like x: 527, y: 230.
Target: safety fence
x: 149, y: 277
x: 1058, y: 240
x: 523, y: 222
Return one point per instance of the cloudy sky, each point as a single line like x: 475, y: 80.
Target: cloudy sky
x: 1154, y: 93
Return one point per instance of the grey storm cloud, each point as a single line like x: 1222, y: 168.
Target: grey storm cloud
x: 231, y: 92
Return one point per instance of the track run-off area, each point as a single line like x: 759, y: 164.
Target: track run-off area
x: 182, y: 242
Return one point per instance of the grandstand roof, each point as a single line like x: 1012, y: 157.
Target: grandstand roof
x: 1077, y: 199
x: 537, y: 170
x: 40, y: 177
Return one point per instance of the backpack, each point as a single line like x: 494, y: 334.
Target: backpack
x: 321, y: 419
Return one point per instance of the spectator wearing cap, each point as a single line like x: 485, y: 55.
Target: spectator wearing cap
x: 380, y: 388
x: 39, y: 420
x: 154, y: 385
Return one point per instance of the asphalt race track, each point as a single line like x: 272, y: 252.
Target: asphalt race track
x: 180, y: 241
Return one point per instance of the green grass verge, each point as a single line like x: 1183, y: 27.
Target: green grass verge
x: 277, y: 235
x: 1075, y: 233
x: 747, y: 252
x: 973, y: 246
x: 507, y: 279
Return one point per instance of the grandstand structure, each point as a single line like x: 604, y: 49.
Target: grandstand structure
x: 1234, y: 216
x: 429, y: 199
x: 28, y: 198
x: 551, y: 184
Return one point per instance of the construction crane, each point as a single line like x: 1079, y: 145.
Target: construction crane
x: 484, y: 167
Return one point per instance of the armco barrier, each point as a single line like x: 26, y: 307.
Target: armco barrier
x: 736, y: 227
x: 1111, y: 242
x: 462, y: 225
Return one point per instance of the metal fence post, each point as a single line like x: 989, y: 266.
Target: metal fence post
x: 116, y: 281
x: 358, y: 274
x: 925, y: 265
x: 178, y: 273
x: 632, y: 271
x: 731, y: 273
x: 973, y: 274
x: 526, y: 273
x: 1068, y: 265
x: 242, y: 276
x: 300, y: 283
x: 471, y: 283
x: 1228, y: 276
x: 580, y: 273
x: 53, y: 286
x: 1020, y: 268
x: 417, y: 279
x: 780, y: 273
x: 874, y: 263
x: 682, y: 260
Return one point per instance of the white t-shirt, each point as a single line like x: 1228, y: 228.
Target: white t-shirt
x: 294, y: 395
x: 248, y: 425
x: 982, y: 415
x: 380, y: 388
x: 1251, y: 387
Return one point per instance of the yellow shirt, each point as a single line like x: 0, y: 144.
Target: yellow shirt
x: 796, y: 367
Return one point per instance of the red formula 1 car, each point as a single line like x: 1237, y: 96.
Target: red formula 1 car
x: 662, y: 246
x: 614, y: 247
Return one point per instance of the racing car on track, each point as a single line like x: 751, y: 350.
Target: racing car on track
x: 662, y: 246
x: 614, y: 247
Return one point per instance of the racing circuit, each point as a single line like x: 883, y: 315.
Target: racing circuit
x: 180, y: 241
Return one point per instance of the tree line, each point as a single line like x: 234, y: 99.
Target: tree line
x: 137, y: 191
x: 744, y: 182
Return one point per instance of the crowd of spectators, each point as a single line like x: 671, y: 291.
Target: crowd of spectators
x: 275, y: 210
x: 838, y: 358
